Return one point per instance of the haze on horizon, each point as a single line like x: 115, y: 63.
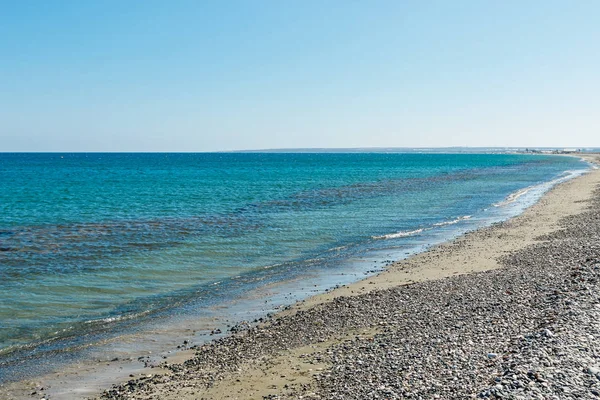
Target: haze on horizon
x: 209, y: 76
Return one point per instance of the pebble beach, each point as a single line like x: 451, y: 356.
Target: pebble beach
x: 280, y: 200
x: 510, y: 311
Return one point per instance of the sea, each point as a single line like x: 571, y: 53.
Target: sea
x: 96, y: 248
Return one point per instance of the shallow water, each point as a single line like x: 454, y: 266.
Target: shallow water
x: 94, y: 245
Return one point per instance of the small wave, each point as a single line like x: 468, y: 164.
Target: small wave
x: 565, y: 176
x: 454, y: 221
x: 339, y: 248
x: 272, y: 266
x: 511, y: 198
x: 592, y: 164
x: 117, y: 318
x: 108, y: 319
x: 402, y: 234
x: 399, y: 234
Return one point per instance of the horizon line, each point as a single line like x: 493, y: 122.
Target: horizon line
x: 317, y: 149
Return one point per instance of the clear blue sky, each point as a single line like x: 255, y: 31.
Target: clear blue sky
x: 220, y: 75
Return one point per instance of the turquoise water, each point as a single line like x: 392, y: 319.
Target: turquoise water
x: 100, y: 242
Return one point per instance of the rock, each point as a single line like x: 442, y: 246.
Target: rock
x: 593, y: 370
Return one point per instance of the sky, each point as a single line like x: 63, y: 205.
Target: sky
x: 206, y: 75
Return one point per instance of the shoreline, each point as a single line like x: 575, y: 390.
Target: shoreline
x: 479, y: 250
x: 293, y: 364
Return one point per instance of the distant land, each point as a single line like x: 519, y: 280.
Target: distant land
x: 533, y: 150
x: 455, y: 150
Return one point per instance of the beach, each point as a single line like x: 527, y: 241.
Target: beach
x: 438, y: 324
x: 309, y: 200
x: 508, y: 311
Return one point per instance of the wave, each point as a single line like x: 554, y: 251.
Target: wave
x: 402, y: 234
x: 592, y: 164
x: 117, y: 318
x: 339, y: 248
x: 399, y: 234
x: 543, y: 187
x: 454, y: 221
x: 511, y: 198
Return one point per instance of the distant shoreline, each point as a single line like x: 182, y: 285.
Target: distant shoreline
x: 383, y: 150
x: 434, y: 150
